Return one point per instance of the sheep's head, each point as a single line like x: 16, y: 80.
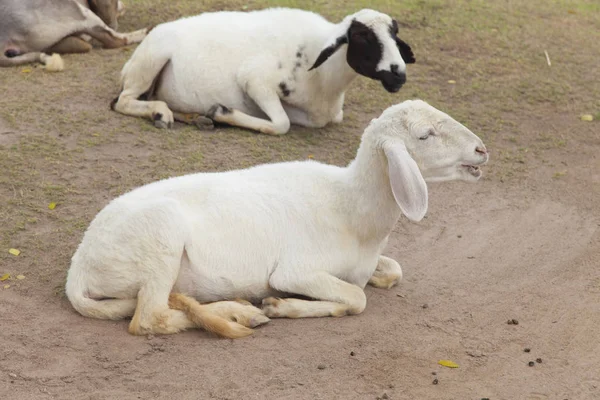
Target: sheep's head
x: 107, y: 10
x: 422, y: 144
x: 374, y: 49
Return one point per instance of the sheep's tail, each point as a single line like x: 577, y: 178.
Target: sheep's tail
x: 101, y: 309
x: 203, y: 318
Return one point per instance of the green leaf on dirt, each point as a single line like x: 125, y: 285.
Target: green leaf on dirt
x: 4, y: 277
x: 14, y: 252
x: 52, y: 206
x: 587, y: 117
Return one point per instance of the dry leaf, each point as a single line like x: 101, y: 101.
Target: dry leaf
x: 52, y: 206
x: 6, y: 286
x: 20, y: 277
x: 14, y: 252
x: 311, y: 156
x: 448, y: 363
x: 587, y: 117
x: 452, y: 81
x: 4, y: 277
x: 26, y: 70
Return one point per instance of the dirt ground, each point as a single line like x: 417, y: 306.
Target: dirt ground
x: 523, y: 243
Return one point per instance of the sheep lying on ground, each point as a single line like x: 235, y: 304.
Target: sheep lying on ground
x: 259, y: 70
x: 29, y: 29
x: 301, y: 228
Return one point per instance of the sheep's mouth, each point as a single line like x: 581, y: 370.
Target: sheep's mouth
x: 473, y: 170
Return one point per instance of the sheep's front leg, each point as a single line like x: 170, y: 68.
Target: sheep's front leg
x: 387, y: 274
x: 334, y: 297
x: 268, y: 100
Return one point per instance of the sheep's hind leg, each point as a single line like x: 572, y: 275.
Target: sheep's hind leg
x: 237, y: 312
x: 334, y: 297
x: 387, y: 274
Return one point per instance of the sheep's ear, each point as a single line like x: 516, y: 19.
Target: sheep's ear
x: 329, y: 50
x: 408, y: 186
x: 405, y: 51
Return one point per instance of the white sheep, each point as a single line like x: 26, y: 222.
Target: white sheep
x: 239, y: 68
x: 301, y: 227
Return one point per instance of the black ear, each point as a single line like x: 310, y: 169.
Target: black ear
x: 405, y: 51
x: 329, y: 50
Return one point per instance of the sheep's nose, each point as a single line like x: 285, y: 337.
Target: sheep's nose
x: 399, y: 74
x: 481, y: 150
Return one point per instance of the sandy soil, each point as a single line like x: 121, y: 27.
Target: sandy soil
x: 523, y: 244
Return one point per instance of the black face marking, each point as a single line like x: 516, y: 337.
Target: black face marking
x: 298, y: 54
x: 157, y: 116
x: 364, y: 49
x: 284, y: 89
x: 403, y: 47
x: 328, y: 51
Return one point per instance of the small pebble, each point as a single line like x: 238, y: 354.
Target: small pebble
x: 538, y: 360
x: 459, y: 236
x: 515, y: 322
x: 322, y: 366
x: 391, y: 386
x: 12, y: 375
x: 531, y: 363
x: 485, y: 398
x: 425, y: 305
x: 352, y: 353
x: 434, y: 373
x: 385, y: 396
x: 435, y: 381
x: 527, y: 350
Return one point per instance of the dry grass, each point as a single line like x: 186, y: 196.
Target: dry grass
x: 67, y: 147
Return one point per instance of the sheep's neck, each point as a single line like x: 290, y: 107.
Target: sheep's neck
x: 372, y: 207
x: 335, y: 75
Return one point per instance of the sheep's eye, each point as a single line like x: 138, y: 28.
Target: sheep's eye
x: 425, y: 137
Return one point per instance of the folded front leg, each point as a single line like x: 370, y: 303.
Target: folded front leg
x: 387, y: 274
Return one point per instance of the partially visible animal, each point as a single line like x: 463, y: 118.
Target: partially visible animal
x: 31, y: 30
x: 261, y: 70
x: 302, y: 228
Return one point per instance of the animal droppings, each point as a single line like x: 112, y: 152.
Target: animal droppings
x: 512, y: 322
x: 527, y: 350
x: 531, y: 363
x: 435, y: 381
x: 352, y: 353
x: 538, y: 360
x: 322, y: 366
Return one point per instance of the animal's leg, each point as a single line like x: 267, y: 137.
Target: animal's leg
x: 235, y: 311
x: 387, y: 274
x: 200, y: 121
x: 268, y: 100
x: 19, y: 59
x: 138, y: 77
x: 96, y: 28
x: 71, y: 44
x: 334, y: 297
